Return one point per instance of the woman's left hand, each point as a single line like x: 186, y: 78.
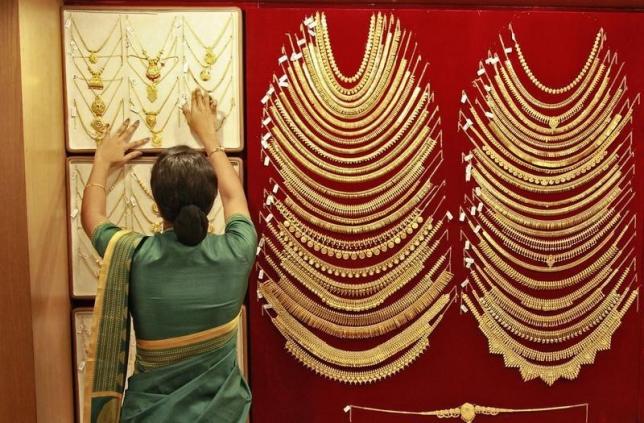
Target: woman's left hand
x: 116, y: 149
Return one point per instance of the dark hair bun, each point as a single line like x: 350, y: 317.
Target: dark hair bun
x: 191, y: 225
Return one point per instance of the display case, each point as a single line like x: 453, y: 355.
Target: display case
x: 143, y: 64
x: 129, y: 205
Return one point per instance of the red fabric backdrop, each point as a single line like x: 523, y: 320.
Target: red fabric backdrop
x: 457, y: 367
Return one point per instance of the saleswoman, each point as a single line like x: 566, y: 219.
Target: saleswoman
x: 183, y: 288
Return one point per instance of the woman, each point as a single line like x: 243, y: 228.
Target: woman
x: 183, y: 287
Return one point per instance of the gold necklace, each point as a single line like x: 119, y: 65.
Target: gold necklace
x: 93, y: 52
x: 209, y: 55
x: 153, y: 64
x: 150, y: 116
x: 549, y: 90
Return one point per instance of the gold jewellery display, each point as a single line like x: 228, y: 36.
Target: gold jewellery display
x: 354, y: 265
x: 124, y: 70
x: 130, y: 205
x: 549, y: 230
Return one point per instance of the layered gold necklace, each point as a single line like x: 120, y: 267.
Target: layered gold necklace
x: 549, y: 232
x: 354, y: 239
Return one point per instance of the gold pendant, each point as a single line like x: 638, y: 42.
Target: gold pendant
x: 553, y: 122
x: 152, y: 92
x: 98, y: 106
x: 205, y: 74
x: 92, y: 57
x: 210, y: 58
x: 155, y: 209
x: 153, y: 71
x: 95, y: 82
x: 157, y: 140
x: 157, y: 227
x: 550, y: 261
x: 99, y: 126
x: 150, y: 120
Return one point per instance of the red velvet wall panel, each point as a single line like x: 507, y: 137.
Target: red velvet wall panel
x: 457, y: 367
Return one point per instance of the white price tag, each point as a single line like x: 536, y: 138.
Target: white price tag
x: 283, y: 58
x: 311, y: 33
x: 463, y: 97
x: 464, y: 308
x: 481, y: 71
x: 489, y: 114
x: 267, y: 121
x: 264, y: 99
x: 488, y: 88
x: 261, y: 275
x: 461, y: 217
x: 478, y: 191
x: 301, y: 42
x: 270, y: 91
x: 295, y: 57
x: 467, y: 245
x: 468, y: 157
x: 449, y: 216
x: 480, y: 207
x: 269, y: 217
x: 275, y: 188
x: 266, y: 136
x: 308, y: 20
x: 259, y: 295
x: 465, y: 283
x: 477, y: 229
x: 467, y: 125
x: 269, y: 200
x: 266, y: 161
x: 264, y: 144
x: 508, y: 50
x: 473, y: 210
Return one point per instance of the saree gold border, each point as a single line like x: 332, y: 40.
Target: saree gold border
x: 186, y: 340
x: 96, y: 323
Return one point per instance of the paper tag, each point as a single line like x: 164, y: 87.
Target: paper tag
x: 312, y: 24
x: 264, y: 144
x: 270, y: 200
x: 311, y: 33
x: 461, y: 217
x: 463, y: 97
x: 259, y: 295
x: 259, y: 249
x: 266, y: 161
x: 267, y: 307
x: 514, y: 38
x: 347, y: 408
x: 488, y: 88
x: 308, y: 20
x: 467, y: 125
x: 301, y: 42
x: 275, y: 188
x: 490, y: 115
x: 464, y: 308
x: 468, y: 264
x: 469, y: 260
x: 473, y: 210
x: 295, y: 57
x: 267, y: 121
x: 480, y: 207
x: 269, y: 217
x: 467, y: 245
x: 283, y: 84
x: 270, y: 91
x: 488, y: 61
x: 477, y: 229
x: 478, y: 191
x: 266, y: 136
x: 74, y: 213
x: 282, y: 59
x: 283, y: 78
x: 465, y: 283
x: 481, y: 71
x: 508, y: 50
x: 449, y: 215
x: 261, y: 274
x: 468, y: 157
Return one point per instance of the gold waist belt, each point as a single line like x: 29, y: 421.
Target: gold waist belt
x: 164, y: 352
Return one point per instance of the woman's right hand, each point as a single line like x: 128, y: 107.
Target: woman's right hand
x: 201, y: 116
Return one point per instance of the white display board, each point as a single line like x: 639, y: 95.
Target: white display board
x: 143, y: 64
x: 129, y: 205
x: 82, y: 323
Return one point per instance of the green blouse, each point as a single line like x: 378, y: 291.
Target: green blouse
x: 177, y: 290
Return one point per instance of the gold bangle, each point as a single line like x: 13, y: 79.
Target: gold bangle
x: 216, y: 149
x: 92, y: 184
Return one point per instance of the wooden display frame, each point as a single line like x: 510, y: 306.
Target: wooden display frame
x: 239, y: 96
x: 74, y: 214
